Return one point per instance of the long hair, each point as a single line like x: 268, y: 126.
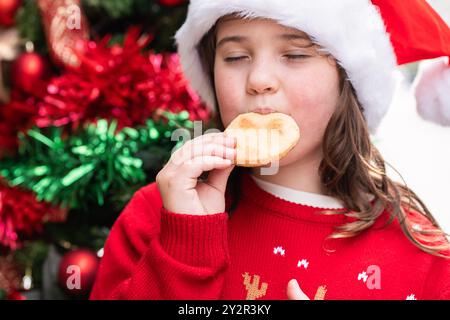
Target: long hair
x: 352, y: 169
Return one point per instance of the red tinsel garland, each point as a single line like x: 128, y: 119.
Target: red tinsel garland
x: 15, y: 116
x: 117, y: 82
x: 121, y: 83
x: 21, y: 213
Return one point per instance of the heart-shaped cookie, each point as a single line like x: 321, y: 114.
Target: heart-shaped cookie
x: 263, y: 138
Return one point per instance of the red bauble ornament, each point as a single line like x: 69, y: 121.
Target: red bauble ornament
x: 8, y: 9
x: 77, y: 271
x: 29, y: 70
x: 16, y: 296
x: 170, y: 3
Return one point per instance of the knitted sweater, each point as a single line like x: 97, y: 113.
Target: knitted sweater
x: 152, y: 253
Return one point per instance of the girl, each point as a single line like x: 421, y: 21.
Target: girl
x: 329, y: 224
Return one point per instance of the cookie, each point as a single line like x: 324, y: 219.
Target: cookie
x: 263, y: 138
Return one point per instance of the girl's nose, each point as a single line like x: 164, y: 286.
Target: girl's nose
x: 261, y: 80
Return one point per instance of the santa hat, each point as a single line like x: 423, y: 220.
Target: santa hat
x: 368, y: 39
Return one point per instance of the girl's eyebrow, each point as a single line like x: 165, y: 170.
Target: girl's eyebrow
x: 236, y: 39
x: 240, y: 39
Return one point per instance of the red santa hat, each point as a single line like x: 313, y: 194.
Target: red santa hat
x: 368, y: 39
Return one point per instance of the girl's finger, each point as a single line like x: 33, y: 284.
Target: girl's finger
x: 294, y: 292
x: 213, y: 149
x: 218, y: 178
x: 218, y: 145
x: 216, y: 137
x: 193, y: 168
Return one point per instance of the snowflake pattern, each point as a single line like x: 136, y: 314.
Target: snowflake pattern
x: 303, y: 263
x: 362, y: 276
x: 279, y: 250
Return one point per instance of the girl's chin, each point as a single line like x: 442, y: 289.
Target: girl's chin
x: 271, y: 168
x: 288, y: 160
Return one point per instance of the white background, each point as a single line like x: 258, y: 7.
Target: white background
x: 419, y: 150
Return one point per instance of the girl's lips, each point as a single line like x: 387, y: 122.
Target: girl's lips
x: 264, y: 110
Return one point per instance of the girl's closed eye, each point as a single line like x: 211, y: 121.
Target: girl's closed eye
x: 296, y: 56
x: 289, y: 57
x: 234, y: 59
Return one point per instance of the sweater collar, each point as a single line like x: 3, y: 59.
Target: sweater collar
x: 299, y: 197
x: 306, y: 209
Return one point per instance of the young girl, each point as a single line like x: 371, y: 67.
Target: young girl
x: 329, y: 224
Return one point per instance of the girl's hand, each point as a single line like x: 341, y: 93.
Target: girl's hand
x: 294, y: 292
x: 178, y: 183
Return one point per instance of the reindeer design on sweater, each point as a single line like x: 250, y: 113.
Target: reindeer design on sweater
x: 254, y: 291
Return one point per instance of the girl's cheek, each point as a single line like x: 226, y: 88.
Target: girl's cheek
x: 312, y: 113
x: 314, y: 102
x: 229, y: 101
x: 227, y: 114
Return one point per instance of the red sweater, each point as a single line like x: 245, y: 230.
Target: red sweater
x: 253, y: 253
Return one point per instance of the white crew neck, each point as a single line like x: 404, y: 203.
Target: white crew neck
x: 299, y: 197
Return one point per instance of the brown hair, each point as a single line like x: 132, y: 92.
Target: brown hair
x: 352, y: 169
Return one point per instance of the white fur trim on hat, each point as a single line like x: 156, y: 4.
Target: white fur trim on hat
x: 351, y: 30
x: 432, y: 90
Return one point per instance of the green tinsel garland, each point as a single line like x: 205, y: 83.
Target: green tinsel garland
x: 90, y: 163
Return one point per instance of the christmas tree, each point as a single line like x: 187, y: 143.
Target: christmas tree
x: 90, y: 94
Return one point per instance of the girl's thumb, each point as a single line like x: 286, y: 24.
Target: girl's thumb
x: 218, y: 177
x: 294, y: 292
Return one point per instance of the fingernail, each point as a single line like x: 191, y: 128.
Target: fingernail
x: 231, y: 139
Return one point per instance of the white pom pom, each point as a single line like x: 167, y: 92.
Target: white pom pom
x: 432, y: 91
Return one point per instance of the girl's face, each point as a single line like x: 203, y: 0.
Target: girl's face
x: 261, y: 64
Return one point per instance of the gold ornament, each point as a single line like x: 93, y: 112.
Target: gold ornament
x: 65, y: 26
